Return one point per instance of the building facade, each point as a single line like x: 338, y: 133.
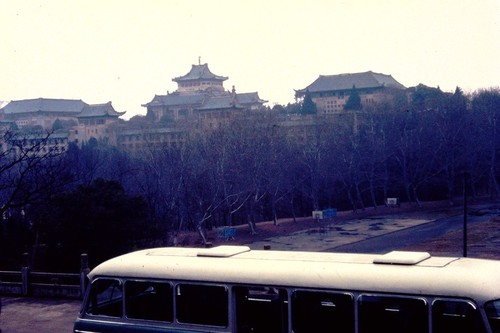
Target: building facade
x: 330, y: 93
x: 95, y: 121
x: 81, y: 121
x: 143, y: 140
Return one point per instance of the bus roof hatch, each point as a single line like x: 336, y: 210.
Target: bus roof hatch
x: 402, y: 258
x: 223, y: 251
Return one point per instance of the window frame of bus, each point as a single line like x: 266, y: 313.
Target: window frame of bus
x: 159, y: 308
x: 317, y: 310
x: 470, y: 317
x: 192, y: 309
x: 98, y: 305
x: 492, y: 310
x: 260, y: 308
x: 388, y: 312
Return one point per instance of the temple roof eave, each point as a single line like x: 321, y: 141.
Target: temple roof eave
x: 177, y: 100
x: 200, y: 72
x: 110, y: 114
x: 100, y: 111
x: 250, y: 98
x: 221, y: 107
x: 216, y: 79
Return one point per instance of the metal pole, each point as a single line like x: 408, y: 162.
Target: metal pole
x: 84, y: 272
x: 465, y: 216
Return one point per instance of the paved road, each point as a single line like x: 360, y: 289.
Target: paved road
x: 35, y: 315
x: 410, y: 236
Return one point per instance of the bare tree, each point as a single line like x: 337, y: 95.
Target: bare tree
x: 486, y: 114
x: 451, y: 124
x: 345, y: 161
x: 312, y: 152
x: 31, y: 168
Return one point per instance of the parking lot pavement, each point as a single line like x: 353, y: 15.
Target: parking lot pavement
x: 38, y: 315
x: 322, y: 238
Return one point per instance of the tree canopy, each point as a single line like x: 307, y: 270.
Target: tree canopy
x: 104, y: 201
x: 99, y: 219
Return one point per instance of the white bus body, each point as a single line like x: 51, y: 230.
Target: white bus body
x: 235, y: 289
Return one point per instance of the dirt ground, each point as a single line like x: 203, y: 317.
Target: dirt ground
x: 483, y: 241
x: 268, y: 229
x: 483, y: 238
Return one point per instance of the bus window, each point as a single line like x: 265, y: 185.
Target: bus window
x: 493, y: 313
x: 202, y: 304
x: 261, y: 309
x: 392, y: 314
x: 105, y: 298
x: 314, y: 311
x: 149, y: 300
x: 456, y: 316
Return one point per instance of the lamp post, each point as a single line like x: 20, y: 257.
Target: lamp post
x: 465, y: 215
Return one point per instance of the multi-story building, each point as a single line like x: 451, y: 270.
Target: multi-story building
x: 81, y: 121
x: 41, y: 144
x: 201, y: 96
x: 143, y: 140
x: 331, y: 92
x: 41, y: 112
x: 94, y: 121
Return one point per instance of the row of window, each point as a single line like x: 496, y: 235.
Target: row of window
x: 199, y: 83
x: 266, y: 309
x: 340, y: 94
x: 41, y: 141
x: 16, y: 151
x: 152, y: 137
x: 343, y: 94
x: 92, y: 121
x: 150, y: 145
x: 340, y: 104
x: 332, y: 102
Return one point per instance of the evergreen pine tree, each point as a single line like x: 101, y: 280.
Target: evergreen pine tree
x: 354, y: 101
x: 308, y: 105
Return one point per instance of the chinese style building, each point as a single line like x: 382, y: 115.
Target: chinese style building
x: 331, y: 92
x: 201, y: 95
x: 81, y: 121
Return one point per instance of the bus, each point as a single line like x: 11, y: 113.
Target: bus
x: 236, y: 289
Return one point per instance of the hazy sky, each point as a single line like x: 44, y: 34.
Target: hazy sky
x: 128, y: 51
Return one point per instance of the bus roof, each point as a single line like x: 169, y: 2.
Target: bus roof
x: 415, y: 273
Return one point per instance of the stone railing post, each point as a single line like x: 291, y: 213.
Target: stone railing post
x: 25, y: 272
x: 84, y: 271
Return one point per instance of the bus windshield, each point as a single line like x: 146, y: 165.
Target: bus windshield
x: 493, y: 313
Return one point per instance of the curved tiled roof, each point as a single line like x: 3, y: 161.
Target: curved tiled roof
x: 205, y: 101
x: 200, y: 72
x: 249, y: 98
x: 99, y: 110
x: 44, y: 105
x: 220, y: 102
x: 177, y: 99
x: 347, y: 81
